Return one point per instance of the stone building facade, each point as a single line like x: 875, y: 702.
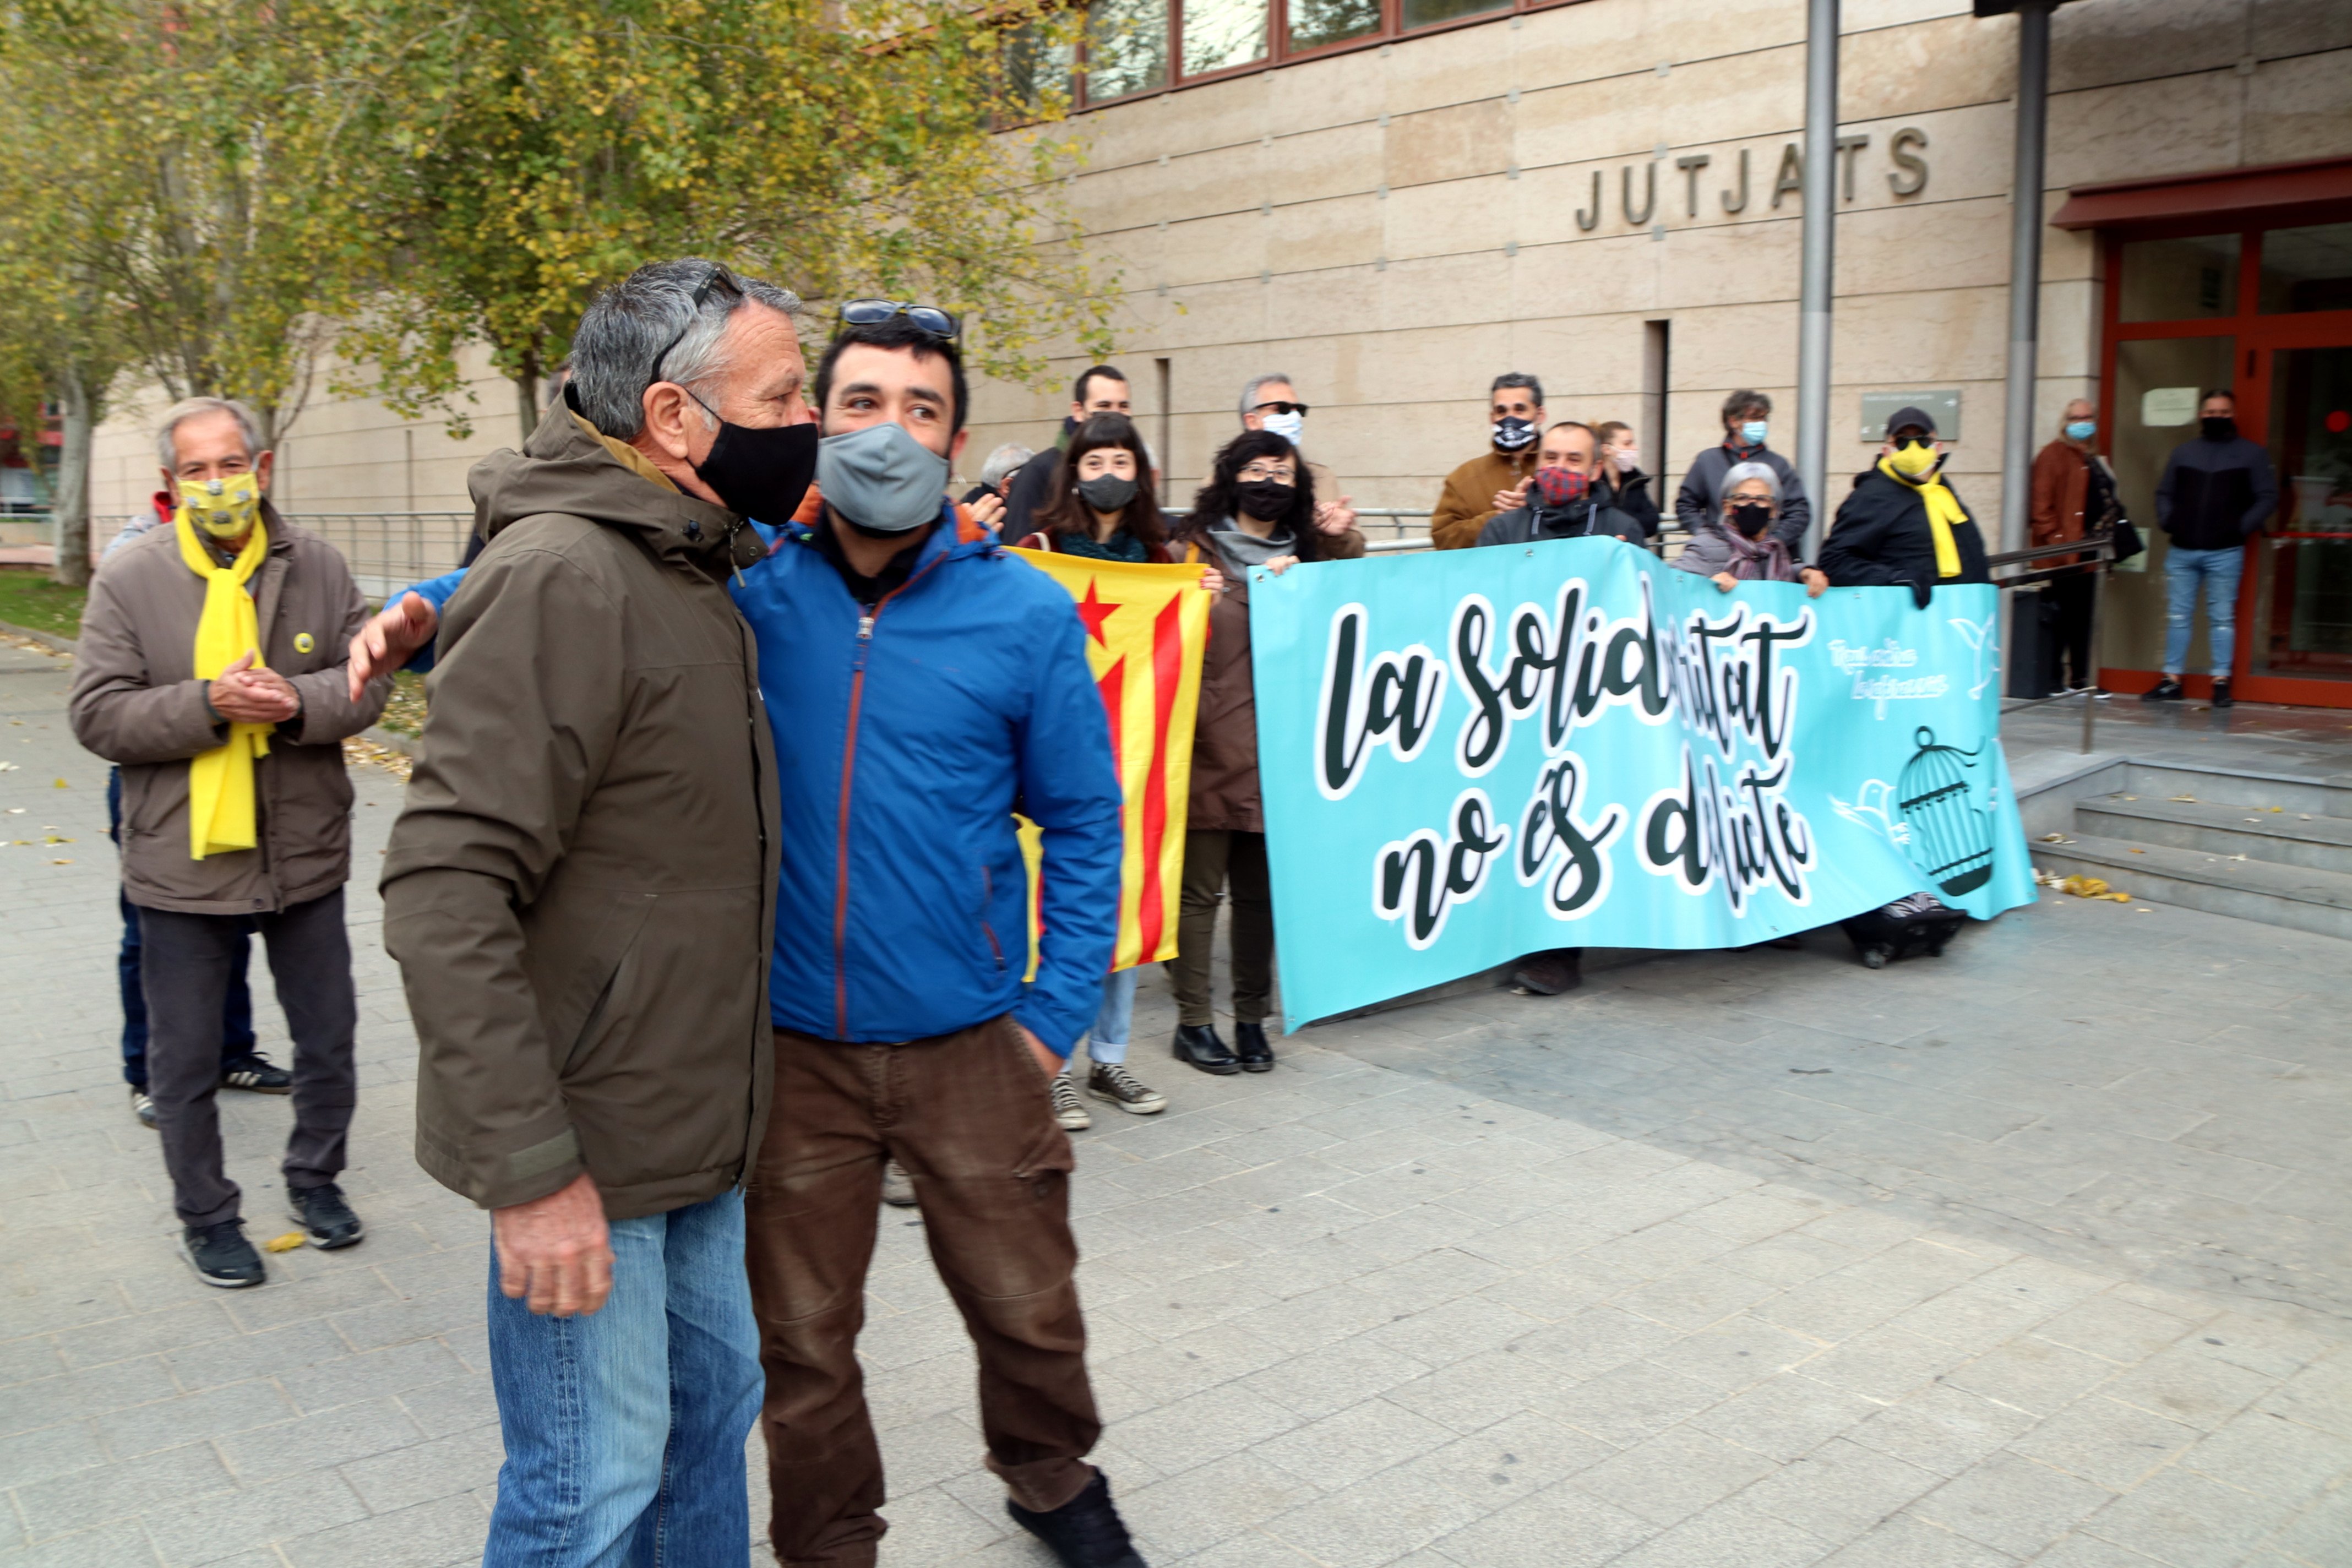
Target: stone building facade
x: 1394, y: 200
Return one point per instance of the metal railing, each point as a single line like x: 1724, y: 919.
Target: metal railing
x: 389, y: 550
x: 2100, y: 548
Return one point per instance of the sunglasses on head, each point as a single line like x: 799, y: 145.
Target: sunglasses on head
x: 720, y: 279
x: 929, y: 318
x: 1280, y: 408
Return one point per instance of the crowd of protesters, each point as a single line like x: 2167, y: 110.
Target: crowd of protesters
x: 732, y: 711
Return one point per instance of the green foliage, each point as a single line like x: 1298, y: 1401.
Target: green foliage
x: 173, y: 159
x: 214, y: 193
x: 30, y: 599
x: 540, y: 150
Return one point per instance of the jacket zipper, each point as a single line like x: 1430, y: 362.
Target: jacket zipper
x: 987, y: 895
x: 763, y: 937
x: 840, y: 814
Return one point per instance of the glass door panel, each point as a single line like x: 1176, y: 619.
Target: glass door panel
x: 2157, y: 382
x: 2303, y: 588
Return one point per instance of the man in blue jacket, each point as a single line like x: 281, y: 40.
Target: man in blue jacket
x: 920, y: 682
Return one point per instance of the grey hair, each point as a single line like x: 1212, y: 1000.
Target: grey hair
x: 1003, y: 461
x: 1518, y: 378
x: 1739, y: 474
x: 1249, y: 392
x: 249, y: 424
x: 629, y: 325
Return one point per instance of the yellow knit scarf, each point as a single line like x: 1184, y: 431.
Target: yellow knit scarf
x: 221, y: 811
x: 1944, y: 510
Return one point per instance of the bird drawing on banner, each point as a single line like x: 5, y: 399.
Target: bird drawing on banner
x: 1874, y: 808
x: 1986, y: 646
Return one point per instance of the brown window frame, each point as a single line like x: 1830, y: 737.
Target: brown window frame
x: 1278, y: 53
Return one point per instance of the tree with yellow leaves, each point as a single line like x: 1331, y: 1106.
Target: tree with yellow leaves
x: 536, y: 150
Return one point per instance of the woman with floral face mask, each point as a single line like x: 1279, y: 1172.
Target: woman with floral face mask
x: 1741, y: 547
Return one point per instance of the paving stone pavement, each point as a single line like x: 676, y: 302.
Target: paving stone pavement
x: 2032, y: 1254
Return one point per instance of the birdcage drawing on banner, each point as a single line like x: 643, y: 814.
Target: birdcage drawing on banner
x: 1951, y: 840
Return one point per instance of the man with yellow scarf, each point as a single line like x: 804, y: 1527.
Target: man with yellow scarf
x: 1902, y: 526
x: 211, y: 669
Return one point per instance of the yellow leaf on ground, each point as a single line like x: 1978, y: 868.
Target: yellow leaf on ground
x: 286, y: 1243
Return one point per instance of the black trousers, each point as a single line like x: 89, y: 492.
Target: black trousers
x: 184, y: 972
x: 2071, y: 597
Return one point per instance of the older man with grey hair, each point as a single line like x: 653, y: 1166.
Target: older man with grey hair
x: 210, y: 670
x: 581, y: 891
x: 1270, y: 402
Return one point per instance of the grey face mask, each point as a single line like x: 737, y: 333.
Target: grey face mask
x: 881, y: 479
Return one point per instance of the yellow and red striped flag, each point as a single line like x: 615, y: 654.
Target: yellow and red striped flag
x: 1146, y: 629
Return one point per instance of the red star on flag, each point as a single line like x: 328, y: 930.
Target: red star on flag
x: 1094, y: 612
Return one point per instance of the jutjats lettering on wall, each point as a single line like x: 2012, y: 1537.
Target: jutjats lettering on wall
x: 1481, y: 754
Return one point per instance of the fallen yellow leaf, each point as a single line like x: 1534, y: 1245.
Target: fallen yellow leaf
x: 286, y: 1243
x: 62, y: 785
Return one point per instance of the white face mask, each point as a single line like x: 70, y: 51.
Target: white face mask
x: 1626, y: 458
x: 1289, y: 427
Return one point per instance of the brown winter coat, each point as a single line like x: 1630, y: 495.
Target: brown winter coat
x: 137, y: 701
x: 1467, y: 503
x: 580, y: 890
x: 1225, y: 794
x: 2061, y: 488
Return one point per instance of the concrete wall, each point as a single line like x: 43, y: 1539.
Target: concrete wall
x: 1395, y: 226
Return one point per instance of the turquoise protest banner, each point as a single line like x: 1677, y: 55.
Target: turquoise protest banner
x: 1476, y: 755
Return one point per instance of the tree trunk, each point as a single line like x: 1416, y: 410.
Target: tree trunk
x: 69, y: 507
x: 526, y: 385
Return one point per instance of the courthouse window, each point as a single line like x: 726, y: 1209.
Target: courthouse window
x: 1127, y: 47
x: 1143, y: 45
x: 1221, y: 33
x: 1315, y: 22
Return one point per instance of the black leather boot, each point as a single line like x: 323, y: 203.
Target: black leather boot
x: 1198, y: 1045
x: 1250, y: 1047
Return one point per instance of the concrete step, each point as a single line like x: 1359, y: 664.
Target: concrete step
x: 2292, y: 896
x: 2308, y: 839
x: 2330, y: 796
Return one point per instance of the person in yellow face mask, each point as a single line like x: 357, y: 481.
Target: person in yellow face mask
x: 211, y: 670
x: 1902, y: 525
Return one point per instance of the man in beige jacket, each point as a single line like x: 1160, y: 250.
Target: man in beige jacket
x: 211, y: 669
x: 1514, y: 418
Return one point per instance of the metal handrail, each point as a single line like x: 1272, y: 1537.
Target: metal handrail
x: 2101, y: 549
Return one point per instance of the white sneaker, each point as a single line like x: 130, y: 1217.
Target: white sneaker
x: 1067, y: 1109
x: 897, y: 1187
x: 1113, y: 1082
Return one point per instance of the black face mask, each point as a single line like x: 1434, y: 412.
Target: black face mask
x: 761, y: 473
x: 1268, y: 501
x: 2221, y: 430
x: 1751, y: 518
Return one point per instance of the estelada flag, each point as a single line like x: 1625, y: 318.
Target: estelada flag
x: 1146, y: 629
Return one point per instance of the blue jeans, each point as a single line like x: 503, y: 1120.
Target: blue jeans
x: 1114, y: 1020
x: 2219, y: 570
x: 236, y: 1015
x: 625, y: 1429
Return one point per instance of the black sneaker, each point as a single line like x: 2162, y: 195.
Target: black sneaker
x: 2165, y: 690
x: 327, y: 1221
x: 221, y: 1256
x: 2222, y: 697
x: 1084, y: 1532
x: 143, y: 1106
x: 256, y: 1072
